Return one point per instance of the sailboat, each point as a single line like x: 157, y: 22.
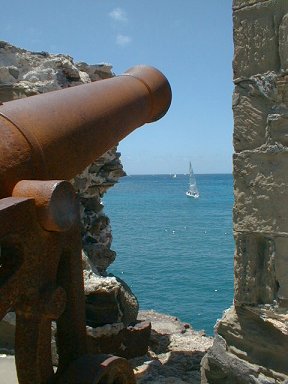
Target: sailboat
x: 193, y: 190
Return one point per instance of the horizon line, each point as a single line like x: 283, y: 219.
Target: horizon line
x: 177, y: 174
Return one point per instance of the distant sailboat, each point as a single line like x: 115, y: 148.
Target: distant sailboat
x: 193, y: 190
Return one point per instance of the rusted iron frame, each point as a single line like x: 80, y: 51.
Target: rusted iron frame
x: 44, y: 283
x: 41, y: 275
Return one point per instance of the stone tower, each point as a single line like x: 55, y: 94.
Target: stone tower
x: 251, y: 341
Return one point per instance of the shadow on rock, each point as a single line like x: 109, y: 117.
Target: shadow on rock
x: 174, y: 355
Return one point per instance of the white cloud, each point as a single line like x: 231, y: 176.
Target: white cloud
x: 123, y: 40
x: 118, y: 14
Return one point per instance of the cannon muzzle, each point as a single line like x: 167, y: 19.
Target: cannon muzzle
x: 57, y: 134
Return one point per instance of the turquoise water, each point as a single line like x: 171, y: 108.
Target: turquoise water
x: 175, y: 252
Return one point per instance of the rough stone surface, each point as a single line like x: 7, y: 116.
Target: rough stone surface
x: 256, y: 36
x: 252, y: 281
x: 108, y: 299
x: 260, y: 183
x: 250, y: 116
x: 249, y: 348
x: 237, y: 4
x: 251, y: 338
x: 174, y: 354
x: 127, y: 342
x: 91, y: 185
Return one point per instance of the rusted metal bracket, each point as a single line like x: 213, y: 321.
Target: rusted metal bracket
x: 41, y: 280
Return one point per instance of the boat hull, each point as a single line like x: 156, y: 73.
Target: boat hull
x: 194, y: 195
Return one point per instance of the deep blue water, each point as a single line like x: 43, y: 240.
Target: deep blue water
x: 175, y: 252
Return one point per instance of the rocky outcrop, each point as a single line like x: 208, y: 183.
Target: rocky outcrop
x: 91, y: 185
x: 108, y: 300
x: 23, y: 74
x: 174, y: 354
x: 252, y: 337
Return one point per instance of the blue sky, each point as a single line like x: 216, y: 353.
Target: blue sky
x: 190, y: 41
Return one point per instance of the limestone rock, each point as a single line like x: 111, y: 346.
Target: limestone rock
x: 237, y: 4
x: 256, y: 279
x: 250, y: 115
x: 174, y: 354
x: 108, y: 300
x: 255, y: 40
x: 249, y: 348
x: 260, y: 183
x: 283, y: 39
x: 91, y: 185
x: 128, y: 342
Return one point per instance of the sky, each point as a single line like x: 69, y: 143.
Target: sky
x: 190, y: 41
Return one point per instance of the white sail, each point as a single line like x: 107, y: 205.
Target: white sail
x: 193, y: 190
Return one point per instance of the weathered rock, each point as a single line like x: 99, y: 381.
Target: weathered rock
x: 250, y: 116
x: 256, y: 37
x: 237, y: 4
x: 128, y: 342
x: 91, y: 185
x: 108, y: 300
x: 174, y: 354
x: 249, y: 348
x: 260, y: 183
x: 256, y: 280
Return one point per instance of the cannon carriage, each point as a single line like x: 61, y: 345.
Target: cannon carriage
x: 45, y: 140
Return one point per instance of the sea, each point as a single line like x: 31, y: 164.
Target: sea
x: 175, y: 252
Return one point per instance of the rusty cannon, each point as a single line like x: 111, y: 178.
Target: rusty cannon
x: 46, y: 140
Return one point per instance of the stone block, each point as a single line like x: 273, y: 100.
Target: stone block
x: 255, y: 278
x: 277, y: 129
x: 250, y: 119
x: 129, y: 342
x: 250, y: 348
x: 283, y: 39
x: 282, y: 93
x: 108, y: 300
x: 261, y: 191
x: 281, y: 270
x: 237, y: 4
x: 256, y: 37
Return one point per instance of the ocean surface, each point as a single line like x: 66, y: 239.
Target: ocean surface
x: 175, y: 252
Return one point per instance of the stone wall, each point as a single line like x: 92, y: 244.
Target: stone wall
x: 251, y: 340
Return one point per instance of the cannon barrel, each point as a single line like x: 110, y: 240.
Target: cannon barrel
x: 57, y: 134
